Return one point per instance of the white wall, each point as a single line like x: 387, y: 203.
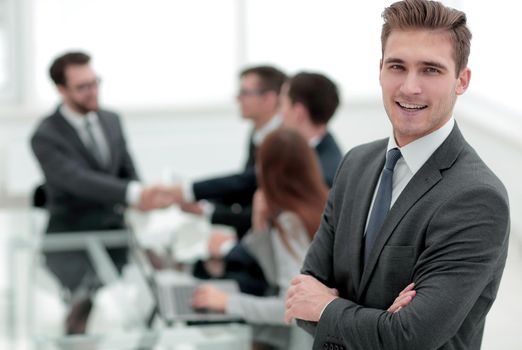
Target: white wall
x: 148, y: 52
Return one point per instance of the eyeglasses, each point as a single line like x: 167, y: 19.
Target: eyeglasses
x: 84, y: 87
x: 247, y: 92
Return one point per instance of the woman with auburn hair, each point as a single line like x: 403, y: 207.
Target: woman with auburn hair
x: 287, y: 211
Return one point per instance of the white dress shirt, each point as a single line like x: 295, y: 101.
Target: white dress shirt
x: 259, y: 135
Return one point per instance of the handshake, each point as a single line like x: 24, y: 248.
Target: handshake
x: 163, y: 196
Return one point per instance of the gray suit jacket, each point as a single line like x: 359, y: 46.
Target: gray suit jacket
x: 266, y: 314
x: 447, y: 232
x: 81, y: 194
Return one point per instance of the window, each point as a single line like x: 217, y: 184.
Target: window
x: 156, y: 53
x: 336, y: 37
x: 6, y: 76
x: 150, y: 53
x: 3, y: 60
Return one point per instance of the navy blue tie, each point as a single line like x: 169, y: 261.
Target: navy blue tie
x: 382, y: 202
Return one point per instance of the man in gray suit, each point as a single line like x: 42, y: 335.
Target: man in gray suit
x: 90, y: 176
x: 435, y: 220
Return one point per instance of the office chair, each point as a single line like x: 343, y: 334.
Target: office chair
x: 39, y: 196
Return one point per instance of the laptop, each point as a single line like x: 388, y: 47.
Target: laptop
x: 172, y: 291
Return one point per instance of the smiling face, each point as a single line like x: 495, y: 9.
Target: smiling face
x: 418, y: 82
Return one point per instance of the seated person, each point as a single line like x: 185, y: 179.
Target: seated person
x: 227, y: 200
x: 308, y: 103
x: 286, y: 213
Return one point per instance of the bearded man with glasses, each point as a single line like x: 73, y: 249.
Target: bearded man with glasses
x: 89, y: 174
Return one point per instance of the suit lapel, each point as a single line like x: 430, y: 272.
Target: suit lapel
x: 427, y: 177
x: 72, y: 137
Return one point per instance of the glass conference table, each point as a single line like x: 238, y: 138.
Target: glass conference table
x: 33, y: 313
x: 215, y: 337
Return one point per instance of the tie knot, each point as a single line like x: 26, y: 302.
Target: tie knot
x: 391, y: 158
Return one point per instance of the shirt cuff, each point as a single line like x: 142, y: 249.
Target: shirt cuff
x: 227, y: 247
x: 324, y: 308
x: 133, y: 194
x: 208, y: 209
x: 188, y: 192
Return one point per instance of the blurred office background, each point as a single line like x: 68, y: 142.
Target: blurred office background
x: 171, y: 69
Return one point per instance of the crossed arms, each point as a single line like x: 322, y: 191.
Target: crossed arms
x: 456, y: 276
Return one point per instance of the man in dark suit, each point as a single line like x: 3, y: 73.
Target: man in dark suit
x: 435, y: 220
x: 231, y: 195
x: 308, y: 102
x: 89, y: 175
x: 227, y: 200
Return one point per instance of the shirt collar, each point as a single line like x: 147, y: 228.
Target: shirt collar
x: 260, y: 134
x: 77, y: 119
x: 316, y: 140
x: 416, y: 153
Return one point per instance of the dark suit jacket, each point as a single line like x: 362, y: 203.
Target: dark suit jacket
x: 330, y: 156
x: 233, y: 194
x: 447, y: 232
x: 81, y: 194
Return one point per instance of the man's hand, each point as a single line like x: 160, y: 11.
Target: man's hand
x: 405, y: 297
x: 209, y: 297
x: 176, y: 193
x: 193, y: 208
x: 306, y: 298
x: 216, y: 241
x: 260, y: 212
x: 155, y: 197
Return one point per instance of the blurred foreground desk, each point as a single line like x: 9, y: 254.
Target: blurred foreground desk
x: 217, y: 337
x: 32, y: 313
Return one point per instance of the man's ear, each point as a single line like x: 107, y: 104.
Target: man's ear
x: 302, y: 112
x: 380, y: 70
x: 463, y: 81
